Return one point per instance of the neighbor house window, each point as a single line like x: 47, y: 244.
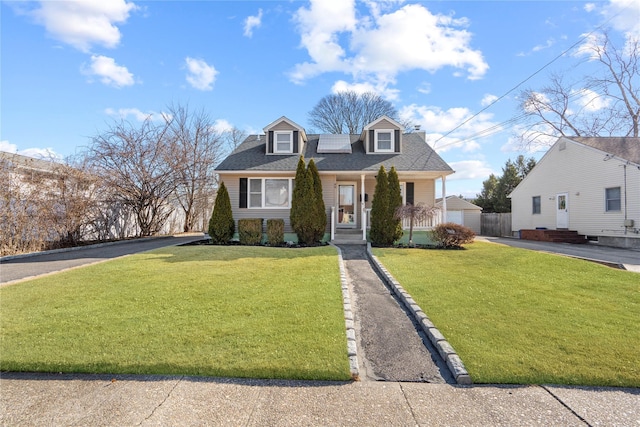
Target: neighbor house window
x: 270, y: 193
x: 536, y: 209
x: 384, y: 140
x: 612, y: 199
x: 284, y: 142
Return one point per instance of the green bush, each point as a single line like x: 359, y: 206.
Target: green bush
x: 221, y: 224
x: 275, y: 232
x: 451, y: 235
x: 250, y: 231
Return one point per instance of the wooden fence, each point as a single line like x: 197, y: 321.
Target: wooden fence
x: 495, y: 224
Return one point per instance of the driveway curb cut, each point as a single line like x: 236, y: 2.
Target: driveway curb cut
x: 352, y: 348
x: 446, y: 351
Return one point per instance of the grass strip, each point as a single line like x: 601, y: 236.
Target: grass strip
x: 195, y: 310
x: 517, y: 316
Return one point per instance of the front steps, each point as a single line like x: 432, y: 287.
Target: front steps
x: 555, y: 236
x: 348, y: 237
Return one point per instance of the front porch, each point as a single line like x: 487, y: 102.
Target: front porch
x: 358, y: 235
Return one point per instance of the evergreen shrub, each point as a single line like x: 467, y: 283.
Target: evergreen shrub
x: 250, y: 231
x: 452, y: 236
x: 221, y: 224
x: 275, y: 232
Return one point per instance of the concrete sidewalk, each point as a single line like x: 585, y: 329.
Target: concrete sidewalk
x: 49, y: 399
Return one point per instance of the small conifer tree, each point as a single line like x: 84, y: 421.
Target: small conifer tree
x: 395, y: 203
x: 380, y: 209
x: 320, y: 214
x: 221, y: 224
x: 302, y: 212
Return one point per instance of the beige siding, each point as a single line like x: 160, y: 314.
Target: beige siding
x: 583, y: 173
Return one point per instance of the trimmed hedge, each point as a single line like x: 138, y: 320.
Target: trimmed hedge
x: 275, y: 232
x: 452, y: 235
x: 250, y: 231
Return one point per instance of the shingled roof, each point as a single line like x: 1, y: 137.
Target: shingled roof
x: 624, y: 147
x: 416, y: 156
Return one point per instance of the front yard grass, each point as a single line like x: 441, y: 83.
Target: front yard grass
x: 197, y: 310
x: 522, y: 317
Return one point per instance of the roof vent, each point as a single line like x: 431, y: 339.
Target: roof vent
x: 417, y: 127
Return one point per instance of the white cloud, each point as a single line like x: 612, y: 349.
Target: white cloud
x: 470, y: 169
x: 200, y: 75
x: 437, y: 123
x: 252, y: 22
x: 624, y: 15
x: 380, y: 89
x: 382, y: 44
x: 550, y: 42
x: 425, y: 88
x: 124, y: 113
x: 488, y: 99
x: 539, y: 136
x: 38, y: 153
x: 84, y: 23
x: 222, y: 125
x: 591, y: 101
x: 589, y: 7
x: 110, y: 73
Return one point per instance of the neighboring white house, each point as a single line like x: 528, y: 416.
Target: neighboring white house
x: 589, y: 185
x: 460, y: 211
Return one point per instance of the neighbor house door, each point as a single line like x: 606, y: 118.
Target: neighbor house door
x: 347, y: 205
x: 562, y: 210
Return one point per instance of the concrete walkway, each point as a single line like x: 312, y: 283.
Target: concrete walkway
x: 390, y: 345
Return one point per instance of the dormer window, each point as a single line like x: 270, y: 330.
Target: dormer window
x: 283, y: 142
x: 384, y: 142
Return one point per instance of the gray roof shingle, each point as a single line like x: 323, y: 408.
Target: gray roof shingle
x: 416, y: 156
x: 627, y: 148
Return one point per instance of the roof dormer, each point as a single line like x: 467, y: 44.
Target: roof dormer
x: 382, y: 136
x: 284, y: 137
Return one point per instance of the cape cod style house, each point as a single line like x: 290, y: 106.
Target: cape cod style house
x: 590, y: 186
x: 259, y: 173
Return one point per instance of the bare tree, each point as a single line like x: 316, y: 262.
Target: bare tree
x: 605, y: 104
x: 349, y: 112
x: 234, y: 137
x: 416, y: 213
x: 197, y: 149
x: 136, y: 163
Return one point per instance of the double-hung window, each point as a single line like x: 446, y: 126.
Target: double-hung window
x: 612, y: 199
x: 535, y: 205
x: 270, y: 193
x: 283, y: 142
x: 384, y: 141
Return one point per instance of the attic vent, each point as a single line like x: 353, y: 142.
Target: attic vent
x: 562, y: 145
x: 334, y: 144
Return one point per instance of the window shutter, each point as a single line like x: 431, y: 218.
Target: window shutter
x: 295, y: 141
x: 270, y: 144
x: 243, y: 193
x: 409, y: 193
x: 372, y: 142
x: 397, y: 141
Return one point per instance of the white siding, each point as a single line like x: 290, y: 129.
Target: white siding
x: 583, y: 173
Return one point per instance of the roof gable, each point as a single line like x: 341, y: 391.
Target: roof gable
x: 291, y: 123
x: 626, y: 148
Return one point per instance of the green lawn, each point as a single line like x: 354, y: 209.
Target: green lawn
x: 196, y: 310
x: 518, y: 316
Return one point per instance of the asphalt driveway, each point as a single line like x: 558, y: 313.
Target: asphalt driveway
x: 18, y: 268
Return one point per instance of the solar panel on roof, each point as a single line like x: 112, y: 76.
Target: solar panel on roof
x: 334, y: 144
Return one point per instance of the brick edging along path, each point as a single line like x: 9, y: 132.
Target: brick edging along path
x: 446, y: 351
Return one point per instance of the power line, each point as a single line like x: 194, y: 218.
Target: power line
x: 581, y: 40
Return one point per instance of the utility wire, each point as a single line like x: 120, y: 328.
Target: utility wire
x: 581, y: 40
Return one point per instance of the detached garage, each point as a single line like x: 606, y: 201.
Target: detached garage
x: 461, y: 212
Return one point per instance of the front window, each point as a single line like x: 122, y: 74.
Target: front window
x: 284, y: 142
x: 536, y: 208
x: 612, y: 199
x: 384, y: 140
x: 270, y: 193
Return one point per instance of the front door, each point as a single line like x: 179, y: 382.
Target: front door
x: 346, y: 205
x: 562, y: 210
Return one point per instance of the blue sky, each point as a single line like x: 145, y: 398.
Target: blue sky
x: 69, y: 68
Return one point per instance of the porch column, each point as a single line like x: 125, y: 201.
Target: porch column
x: 363, y: 213
x: 444, y: 198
